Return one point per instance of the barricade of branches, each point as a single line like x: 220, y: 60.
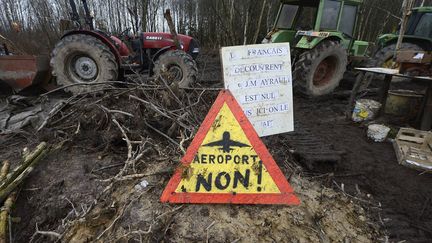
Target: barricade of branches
x: 142, y: 109
x: 135, y: 119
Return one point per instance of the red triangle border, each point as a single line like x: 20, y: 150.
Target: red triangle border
x: 286, y: 196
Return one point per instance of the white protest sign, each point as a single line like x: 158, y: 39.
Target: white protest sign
x: 259, y: 77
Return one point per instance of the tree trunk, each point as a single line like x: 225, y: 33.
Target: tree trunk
x: 245, y: 31
x: 258, y: 28
x: 407, y: 5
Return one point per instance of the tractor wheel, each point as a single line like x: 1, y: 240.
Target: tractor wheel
x: 83, y: 59
x: 384, y: 56
x: 176, y: 68
x: 319, y: 71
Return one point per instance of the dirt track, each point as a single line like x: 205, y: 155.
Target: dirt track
x: 396, y: 198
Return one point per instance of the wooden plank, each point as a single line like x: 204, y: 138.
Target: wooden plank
x: 411, y: 139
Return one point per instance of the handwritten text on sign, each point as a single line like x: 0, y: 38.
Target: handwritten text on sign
x: 259, y: 76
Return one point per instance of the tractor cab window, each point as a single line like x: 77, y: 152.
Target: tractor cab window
x: 287, y: 16
x: 306, y: 18
x: 348, y: 19
x: 330, y: 15
x: 424, y: 26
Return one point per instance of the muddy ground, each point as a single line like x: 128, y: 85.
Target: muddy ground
x: 365, y: 197
x: 404, y: 194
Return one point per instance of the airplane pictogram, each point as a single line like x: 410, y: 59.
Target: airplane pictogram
x: 226, y: 143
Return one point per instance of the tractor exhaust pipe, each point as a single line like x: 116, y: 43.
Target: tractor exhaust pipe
x: 75, y: 15
x: 88, y: 17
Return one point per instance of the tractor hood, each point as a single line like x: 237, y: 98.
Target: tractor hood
x: 155, y: 40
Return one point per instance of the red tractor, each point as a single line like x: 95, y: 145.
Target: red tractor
x: 85, y: 55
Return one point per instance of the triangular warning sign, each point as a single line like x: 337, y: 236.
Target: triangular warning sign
x: 228, y: 163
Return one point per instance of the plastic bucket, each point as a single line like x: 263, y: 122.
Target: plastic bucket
x: 365, y: 110
x: 377, y: 132
x: 403, y: 103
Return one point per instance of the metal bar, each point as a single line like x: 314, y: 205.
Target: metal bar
x: 341, y: 9
x: 426, y: 123
x: 384, y: 91
x: 319, y: 16
x: 75, y: 15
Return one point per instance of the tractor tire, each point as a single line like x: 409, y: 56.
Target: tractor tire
x: 384, y: 56
x: 319, y: 71
x: 83, y: 59
x: 176, y: 68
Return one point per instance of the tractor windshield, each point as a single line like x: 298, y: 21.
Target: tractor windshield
x: 424, y: 26
x: 296, y: 17
x: 286, y: 16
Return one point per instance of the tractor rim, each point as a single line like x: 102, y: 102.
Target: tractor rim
x: 83, y: 68
x: 173, y: 74
x: 325, y: 71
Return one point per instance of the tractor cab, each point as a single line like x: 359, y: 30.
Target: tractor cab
x: 418, y: 31
x: 306, y: 23
x: 417, y: 38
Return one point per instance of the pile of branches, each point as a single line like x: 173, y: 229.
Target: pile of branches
x: 9, y: 182
x: 173, y: 114
x: 136, y: 115
x: 138, y: 122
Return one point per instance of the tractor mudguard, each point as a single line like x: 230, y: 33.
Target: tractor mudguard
x: 161, y: 51
x: 383, y: 40
x: 310, y: 39
x: 157, y: 55
x: 305, y: 39
x: 388, y: 39
x: 309, y: 42
x: 100, y: 36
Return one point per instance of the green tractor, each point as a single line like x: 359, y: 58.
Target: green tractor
x: 417, y: 37
x: 321, y: 36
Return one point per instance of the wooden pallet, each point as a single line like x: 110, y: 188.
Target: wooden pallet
x: 414, y: 149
